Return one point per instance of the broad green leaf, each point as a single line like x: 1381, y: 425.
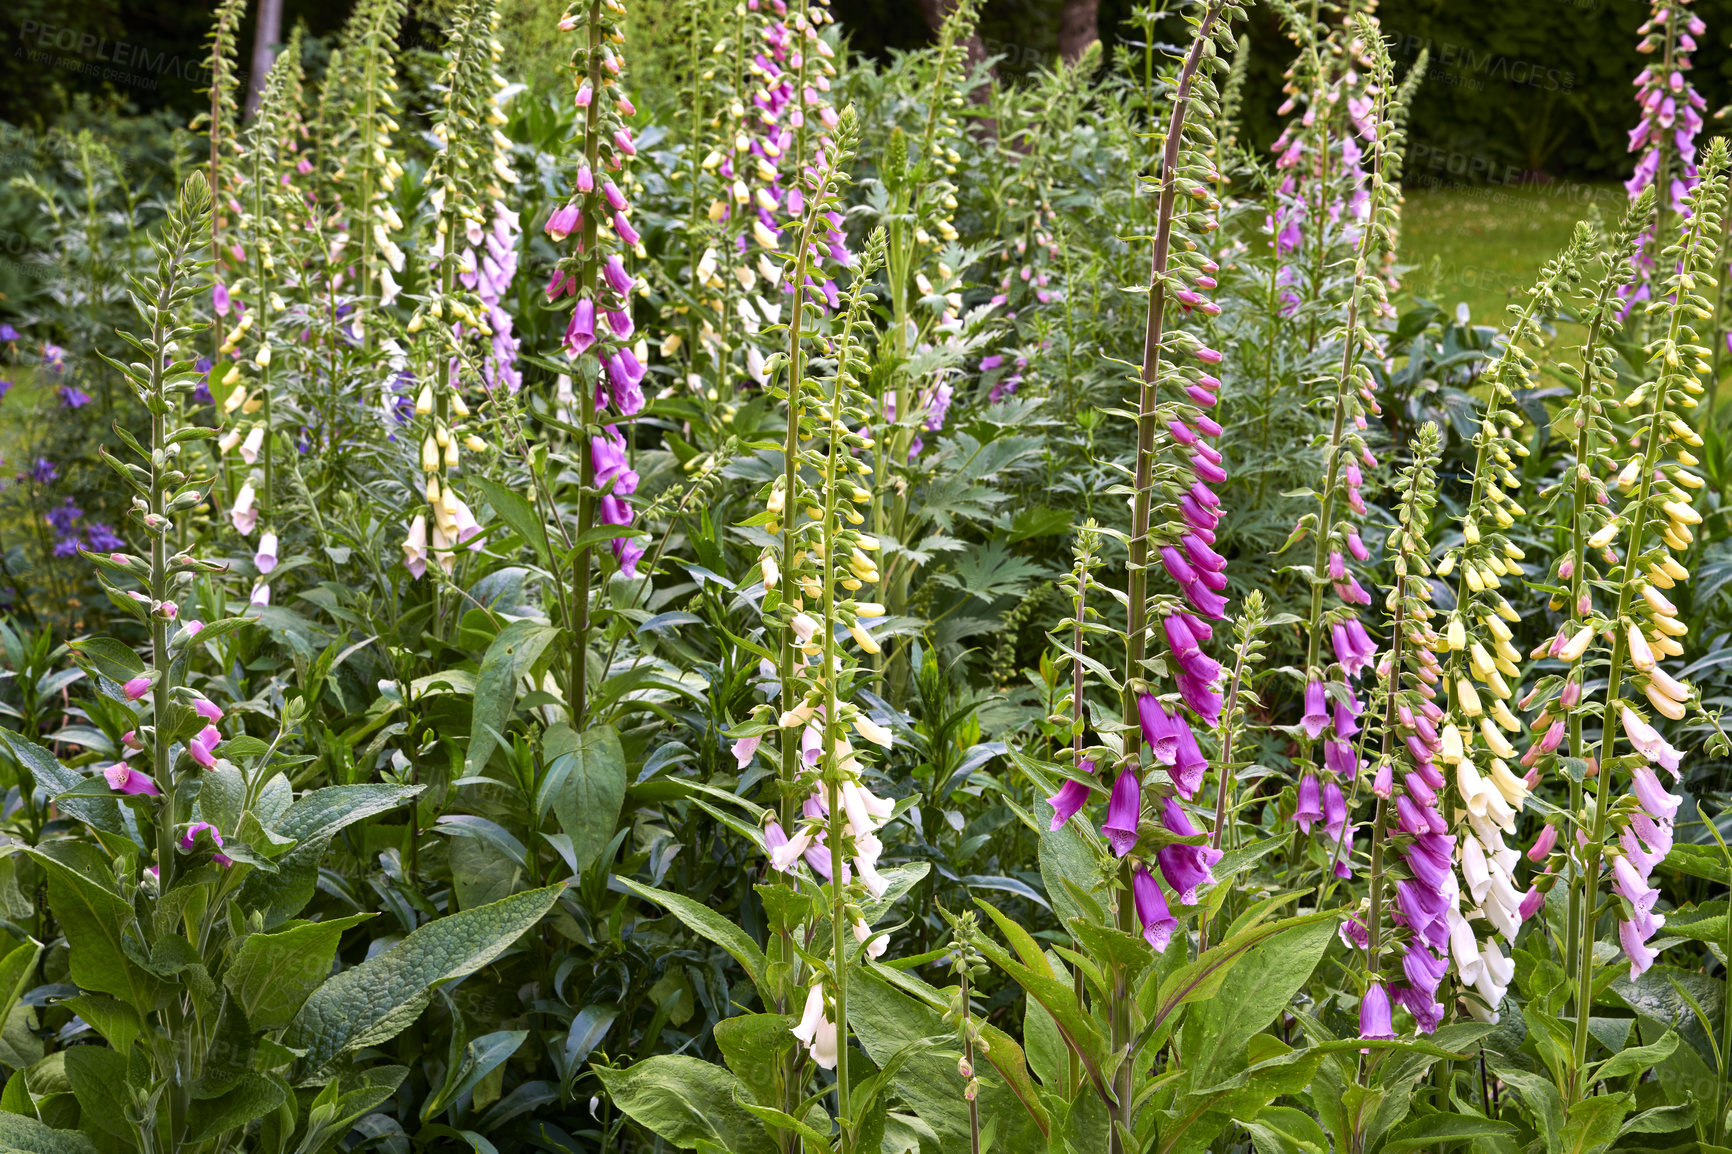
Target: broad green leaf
x: 753, y: 1045
x: 1592, y: 1124
x: 511, y: 655
x: 113, y: 659
x: 95, y: 921
x: 1059, y: 999
x: 1285, y: 1130
x: 254, y: 1096
x: 374, y: 1001
x: 1661, y: 1120
x: 21, y: 1135
x: 272, y: 973
x: 1439, y: 1130
x: 100, y: 813
x: 1203, y: 977
x: 312, y: 821
x: 707, y: 923
x: 481, y: 1057
x: 1634, y: 1060
x: 584, y: 786
x: 515, y: 510
x: 17, y: 969
x: 685, y: 1101
x: 888, y: 1022
x: 98, y: 1077
x: 116, y: 1021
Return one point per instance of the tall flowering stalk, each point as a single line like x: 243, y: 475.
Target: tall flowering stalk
x: 1177, y: 388
x: 1628, y: 836
x: 1332, y: 706
x: 221, y: 124
x: 265, y: 190
x: 1475, y: 735
x: 465, y: 182
x: 1420, y: 872
x: 1665, y: 135
x: 1584, y: 424
x: 608, y: 370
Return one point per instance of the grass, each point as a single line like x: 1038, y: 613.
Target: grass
x: 1484, y: 246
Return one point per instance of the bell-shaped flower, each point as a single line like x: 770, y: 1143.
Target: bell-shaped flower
x: 1157, y: 920
x: 1124, y: 812
x: 815, y: 1030
x: 1316, y: 717
x: 122, y: 778
x: 1375, y: 1018
x: 1071, y: 797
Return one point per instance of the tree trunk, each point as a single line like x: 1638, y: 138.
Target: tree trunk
x: 1078, y: 27
x: 266, y: 35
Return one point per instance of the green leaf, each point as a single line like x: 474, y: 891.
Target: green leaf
x: 21, y: 1135
x: 1592, y: 1124
x: 95, y: 921
x: 584, y: 786
x: 111, y: 658
x: 515, y: 510
x: 1634, y: 1060
x: 511, y: 655
x: 17, y: 971
x: 1059, y: 1000
x: 481, y: 1057
x: 1285, y: 1130
x: 376, y: 1000
x: 98, y: 1077
x: 891, y: 1024
x: 753, y: 1046
x: 254, y: 1096
x: 116, y: 1021
x: 311, y: 822
x: 102, y: 814
x: 1203, y: 978
x: 1438, y: 1130
x: 686, y: 1101
x: 707, y: 923
x: 272, y: 973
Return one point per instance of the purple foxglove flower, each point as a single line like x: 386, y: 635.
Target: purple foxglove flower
x: 219, y: 298
x: 580, y: 331
x: 122, y: 778
x: 1189, y: 765
x: 1334, y: 809
x: 1337, y: 566
x: 1310, y: 805
x: 1158, y: 922
x: 1071, y: 796
x: 1206, y: 601
x: 1632, y: 886
x: 1375, y: 1020
x: 1532, y: 902
x: 1427, y: 1012
x: 1316, y: 717
x: 1543, y: 844
x: 615, y: 198
x: 1176, y: 566
x: 1182, y: 432
x: 1124, y: 811
x: 623, y: 227
x: 1649, y: 792
x: 563, y: 222
x: 628, y: 551
x: 1202, y: 696
x: 136, y: 688
x: 1636, y: 949
x: 1346, y: 713
x: 623, y: 374
x: 1188, y: 653
x: 1201, y: 555
x: 1355, y: 546
x: 1648, y: 742
x: 1554, y: 736
x: 1338, y: 757
x: 1353, y: 934
x: 1384, y: 783
x: 191, y: 837
x: 1184, y: 866
x: 1199, y: 628
x: 585, y: 179
x: 617, y: 278
x: 1158, y: 728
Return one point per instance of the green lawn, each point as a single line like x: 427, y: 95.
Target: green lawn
x: 1485, y: 245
